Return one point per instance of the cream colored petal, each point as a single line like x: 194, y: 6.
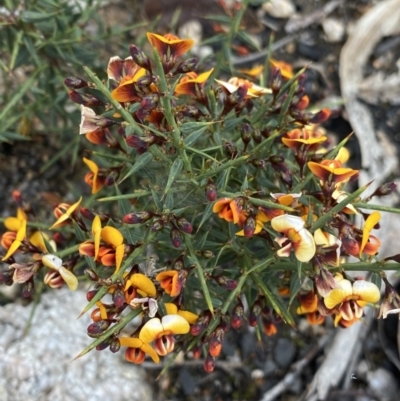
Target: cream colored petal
x: 151, y: 330
x: 366, y: 290
x: 286, y: 221
x: 320, y: 238
x: 175, y: 324
x: 305, y: 249
x: 52, y: 261
x: 69, y: 278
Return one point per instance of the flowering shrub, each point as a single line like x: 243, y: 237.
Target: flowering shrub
x: 227, y: 203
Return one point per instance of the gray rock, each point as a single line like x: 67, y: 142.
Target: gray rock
x: 38, y: 366
x: 284, y: 352
x: 383, y: 384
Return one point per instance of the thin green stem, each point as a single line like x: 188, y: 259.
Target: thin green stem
x: 222, y: 167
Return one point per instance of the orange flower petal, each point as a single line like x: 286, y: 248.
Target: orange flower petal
x: 143, y: 283
x: 220, y: 204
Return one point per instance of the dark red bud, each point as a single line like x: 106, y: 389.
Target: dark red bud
x: 385, y: 189
x: 111, y: 178
x: 103, y: 345
x: 86, y: 100
x: 118, y: 297
x: 137, y: 217
x: 184, y: 225
x: 215, y: 343
x: 97, y: 328
x: 75, y: 83
x: 139, y: 57
x: 209, y: 363
x: 87, y: 213
x: 176, y: 237
x: 90, y: 295
x: 249, y: 226
x: 237, y: 316
x: 226, y: 282
x: 211, y: 191
x: 6, y: 275
x: 115, y: 345
x: 136, y: 142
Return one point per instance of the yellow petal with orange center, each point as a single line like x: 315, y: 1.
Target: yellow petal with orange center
x: 366, y: 291
x: 151, y: 330
x: 143, y: 283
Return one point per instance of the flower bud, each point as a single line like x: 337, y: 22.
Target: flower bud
x: 226, y: 282
x: 186, y: 66
x: 255, y: 312
x: 137, y: 217
x: 115, y: 345
x: 91, y: 274
x: 209, y: 363
x: 27, y: 289
x: 276, y: 80
x: 207, y: 254
x: 237, y: 315
x: 178, y: 264
x: 176, y: 237
x: 97, y: 328
x: 245, y: 133
x: 215, y: 343
x: 118, y: 297
x: 157, y: 225
x: 75, y: 83
x: 385, y: 189
x: 249, y: 226
x: 184, y: 225
x: 196, y: 351
x: 139, y: 57
x: 257, y: 137
x: 211, y: 191
x: 201, y: 324
x: 144, y: 82
x: 90, y: 294
x: 150, y: 101
x: 103, y: 345
x: 231, y: 149
x: 321, y: 116
x: 259, y: 163
x: 111, y: 178
x: 85, y: 100
x: 6, y: 275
